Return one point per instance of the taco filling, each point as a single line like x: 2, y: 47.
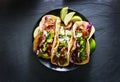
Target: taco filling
x: 45, y: 38
x: 63, y: 42
x: 61, y: 56
x: 80, y: 52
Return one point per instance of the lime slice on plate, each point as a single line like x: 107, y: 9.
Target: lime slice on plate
x: 63, y: 12
x: 36, y: 32
x: 68, y: 17
x: 76, y: 18
x: 92, y: 45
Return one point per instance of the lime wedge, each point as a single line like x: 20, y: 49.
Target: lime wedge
x: 36, y: 32
x: 76, y: 18
x: 92, y: 45
x: 68, y: 17
x: 63, y: 12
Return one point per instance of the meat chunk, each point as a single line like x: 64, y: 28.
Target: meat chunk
x: 38, y: 41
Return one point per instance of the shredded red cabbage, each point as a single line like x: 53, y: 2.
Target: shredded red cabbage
x: 89, y: 25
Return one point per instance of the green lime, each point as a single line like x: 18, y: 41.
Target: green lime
x: 68, y: 17
x: 63, y: 12
x: 36, y: 32
x: 92, y: 45
x: 76, y: 18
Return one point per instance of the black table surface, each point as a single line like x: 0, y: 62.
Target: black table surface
x: 18, y: 63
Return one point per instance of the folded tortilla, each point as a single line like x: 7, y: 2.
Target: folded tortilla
x: 61, y: 48
x: 43, y: 41
x: 80, y: 50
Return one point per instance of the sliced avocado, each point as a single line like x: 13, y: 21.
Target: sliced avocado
x: 63, y: 43
x: 83, y: 56
x: 81, y: 50
x: 57, y: 55
x: 49, y: 40
x: 44, y: 44
x: 78, y: 35
x: 61, y: 34
x: 69, y: 33
x: 45, y: 55
x: 44, y: 49
x: 83, y: 46
x: 51, y: 34
x: 81, y: 42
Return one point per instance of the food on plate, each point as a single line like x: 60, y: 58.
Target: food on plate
x: 64, y: 39
x: 80, y: 51
x: 68, y: 17
x: 43, y: 39
x: 63, y: 13
x: 60, y: 52
x: 36, y: 32
x: 76, y: 18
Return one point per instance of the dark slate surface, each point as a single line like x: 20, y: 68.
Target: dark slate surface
x: 18, y: 62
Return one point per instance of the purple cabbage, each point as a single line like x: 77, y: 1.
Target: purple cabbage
x: 89, y: 25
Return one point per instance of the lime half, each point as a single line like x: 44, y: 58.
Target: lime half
x: 63, y: 12
x: 68, y: 17
x: 92, y: 45
x: 76, y: 18
x: 36, y: 32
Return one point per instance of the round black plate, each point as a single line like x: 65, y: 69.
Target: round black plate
x: 46, y: 62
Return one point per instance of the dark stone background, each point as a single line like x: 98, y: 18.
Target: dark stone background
x: 18, y: 62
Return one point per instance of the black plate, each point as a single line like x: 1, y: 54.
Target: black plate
x: 47, y: 62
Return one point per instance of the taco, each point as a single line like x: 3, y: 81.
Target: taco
x: 60, y: 52
x: 43, y: 41
x: 80, y: 50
